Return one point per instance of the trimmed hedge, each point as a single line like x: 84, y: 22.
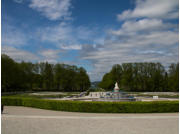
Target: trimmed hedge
x: 94, y: 107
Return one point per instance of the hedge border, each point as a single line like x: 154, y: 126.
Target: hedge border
x: 94, y: 107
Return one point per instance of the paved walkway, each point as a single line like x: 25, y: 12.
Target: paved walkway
x: 23, y: 120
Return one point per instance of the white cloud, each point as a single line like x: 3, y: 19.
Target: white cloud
x: 55, y: 34
x: 18, y: 54
x: 52, y: 9
x: 84, y: 33
x: 18, y: 1
x: 65, y: 36
x: 60, y: 35
x: 13, y: 36
x: 141, y: 25
x: 167, y: 9
x: 74, y: 47
x: 49, y: 55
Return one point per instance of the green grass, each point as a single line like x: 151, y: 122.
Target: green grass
x: 94, y: 107
x: 160, y: 96
x: 39, y: 96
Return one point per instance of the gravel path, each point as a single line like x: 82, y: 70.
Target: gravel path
x: 23, y: 120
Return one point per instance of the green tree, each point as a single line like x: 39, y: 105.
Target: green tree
x: 48, y: 76
x: 174, y: 77
x: 142, y: 77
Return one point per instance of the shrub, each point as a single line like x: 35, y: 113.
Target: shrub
x: 94, y: 107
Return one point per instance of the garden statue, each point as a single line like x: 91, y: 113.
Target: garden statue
x: 116, y: 88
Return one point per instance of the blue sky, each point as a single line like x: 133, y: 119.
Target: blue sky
x: 95, y: 34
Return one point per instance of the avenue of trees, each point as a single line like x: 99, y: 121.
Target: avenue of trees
x: 26, y: 76
x: 142, y: 77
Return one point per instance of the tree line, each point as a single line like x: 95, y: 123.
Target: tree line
x: 26, y: 76
x: 142, y: 77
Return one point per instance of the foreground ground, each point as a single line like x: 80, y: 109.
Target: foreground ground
x: 22, y: 120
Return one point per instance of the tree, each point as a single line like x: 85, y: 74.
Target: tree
x: 107, y: 81
x: 42, y: 76
x: 174, y: 77
x: 12, y: 75
x: 142, y: 77
x: 48, y: 76
x: 58, y: 76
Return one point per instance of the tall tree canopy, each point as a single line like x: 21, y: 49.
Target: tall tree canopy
x: 142, y: 77
x: 26, y: 76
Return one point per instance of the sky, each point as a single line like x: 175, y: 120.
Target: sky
x: 94, y: 34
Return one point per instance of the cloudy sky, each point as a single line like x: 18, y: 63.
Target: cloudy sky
x: 94, y: 34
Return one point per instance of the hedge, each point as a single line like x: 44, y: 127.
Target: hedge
x: 94, y: 107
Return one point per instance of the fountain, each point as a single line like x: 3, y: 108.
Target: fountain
x: 118, y: 95
x: 115, y: 95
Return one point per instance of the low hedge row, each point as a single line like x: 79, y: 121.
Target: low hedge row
x: 94, y: 107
